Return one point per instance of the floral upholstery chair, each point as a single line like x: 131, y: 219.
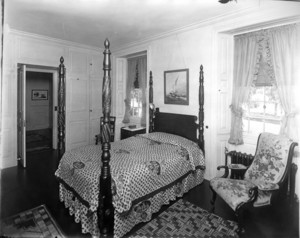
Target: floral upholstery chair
x: 262, y: 179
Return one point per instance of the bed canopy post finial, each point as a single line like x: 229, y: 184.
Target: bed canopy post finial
x: 201, y: 110
x: 105, y: 208
x: 151, y: 104
x: 61, y: 108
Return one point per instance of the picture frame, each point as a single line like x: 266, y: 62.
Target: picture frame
x: 39, y: 94
x: 176, y: 87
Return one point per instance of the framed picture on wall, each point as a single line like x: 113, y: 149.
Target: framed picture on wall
x: 38, y: 94
x: 176, y: 83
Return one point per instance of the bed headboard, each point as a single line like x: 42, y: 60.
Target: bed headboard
x: 179, y: 124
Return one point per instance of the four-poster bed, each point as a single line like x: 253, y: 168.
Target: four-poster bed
x: 137, y: 175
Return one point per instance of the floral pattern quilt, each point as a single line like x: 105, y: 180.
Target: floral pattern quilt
x: 140, y: 166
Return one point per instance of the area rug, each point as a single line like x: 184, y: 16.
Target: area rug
x: 38, y: 140
x: 184, y: 219
x: 36, y: 222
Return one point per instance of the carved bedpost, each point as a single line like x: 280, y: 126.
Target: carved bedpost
x: 151, y: 105
x: 201, y: 111
x: 105, y: 209
x: 61, y: 109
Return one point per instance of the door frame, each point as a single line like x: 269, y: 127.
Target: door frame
x: 120, y: 71
x: 54, y: 72
x: 21, y: 114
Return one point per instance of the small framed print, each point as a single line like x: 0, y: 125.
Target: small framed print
x: 38, y: 94
x: 176, y: 87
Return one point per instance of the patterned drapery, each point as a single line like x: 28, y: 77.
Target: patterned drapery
x: 246, y: 58
x: 283, y: 53
x: 278, y: 47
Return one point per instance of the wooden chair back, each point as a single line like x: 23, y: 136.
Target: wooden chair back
x: 112, y: 122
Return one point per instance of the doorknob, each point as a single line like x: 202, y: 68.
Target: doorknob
x: 91, y: 110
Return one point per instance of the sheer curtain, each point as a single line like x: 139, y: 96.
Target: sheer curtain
x: 131, y: 73
x: 284, y: 52
x: 246, y: 61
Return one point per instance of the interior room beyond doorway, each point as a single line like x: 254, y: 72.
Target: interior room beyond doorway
x: 38, y: 111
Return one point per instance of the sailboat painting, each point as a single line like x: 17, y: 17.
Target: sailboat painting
x: 177, y: 87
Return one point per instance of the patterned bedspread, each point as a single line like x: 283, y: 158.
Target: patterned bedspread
x: 141, y: 166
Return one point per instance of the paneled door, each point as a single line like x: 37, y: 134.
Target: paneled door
x: 77, y: 104
x: 84, y: 97
x: 22, y: 114
x: 78, y: 112
x: 95, y: 94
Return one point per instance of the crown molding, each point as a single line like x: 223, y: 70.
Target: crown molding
x: 53, y: 40
x: 196, y: 25
x: 263, y: 25
x: 226, y: 22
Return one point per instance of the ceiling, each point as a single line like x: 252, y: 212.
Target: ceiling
x: 123, y: 22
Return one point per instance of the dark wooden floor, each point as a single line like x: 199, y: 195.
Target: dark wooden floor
x: 22, y: 189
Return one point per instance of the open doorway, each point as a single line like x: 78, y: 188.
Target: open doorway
x: 38, y: 111
x: 37, y: 116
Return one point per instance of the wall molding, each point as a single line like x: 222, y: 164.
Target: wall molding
x: 258, y: 26
x: 53, y: 40
x: 193, y: 26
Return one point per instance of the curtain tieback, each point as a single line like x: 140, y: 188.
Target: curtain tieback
x: 237, y: 111
x: 291, y: 114
x: 127, y: 102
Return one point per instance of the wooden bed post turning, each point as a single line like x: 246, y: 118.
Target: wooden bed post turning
x: 201, y: 111
x: 61, y: 109
x: 151, y: 105
x: 105, y: 210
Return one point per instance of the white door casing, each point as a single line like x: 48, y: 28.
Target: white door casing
x: 22, y: 114
x: 121, y: 72
x: 224, y: 84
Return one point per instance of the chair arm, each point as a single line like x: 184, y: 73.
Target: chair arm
x: 265, y: 186
x: 226, y: 173
x: 253, y: 193
x: 237, y: 167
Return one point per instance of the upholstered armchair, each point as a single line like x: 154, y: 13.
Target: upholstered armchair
x: 262, y: 180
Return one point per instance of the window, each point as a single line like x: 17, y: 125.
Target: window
x: 263, y: 111
x: 135, y: 101
x: 136, y: 105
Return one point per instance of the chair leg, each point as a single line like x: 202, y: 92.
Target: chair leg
x: 293, y: 172
x: 213, y: 200
x: 240, y: 219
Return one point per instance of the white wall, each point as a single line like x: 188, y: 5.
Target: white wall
x: 186, y: 50
x: 199, y: 44
x: 83, y: 67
